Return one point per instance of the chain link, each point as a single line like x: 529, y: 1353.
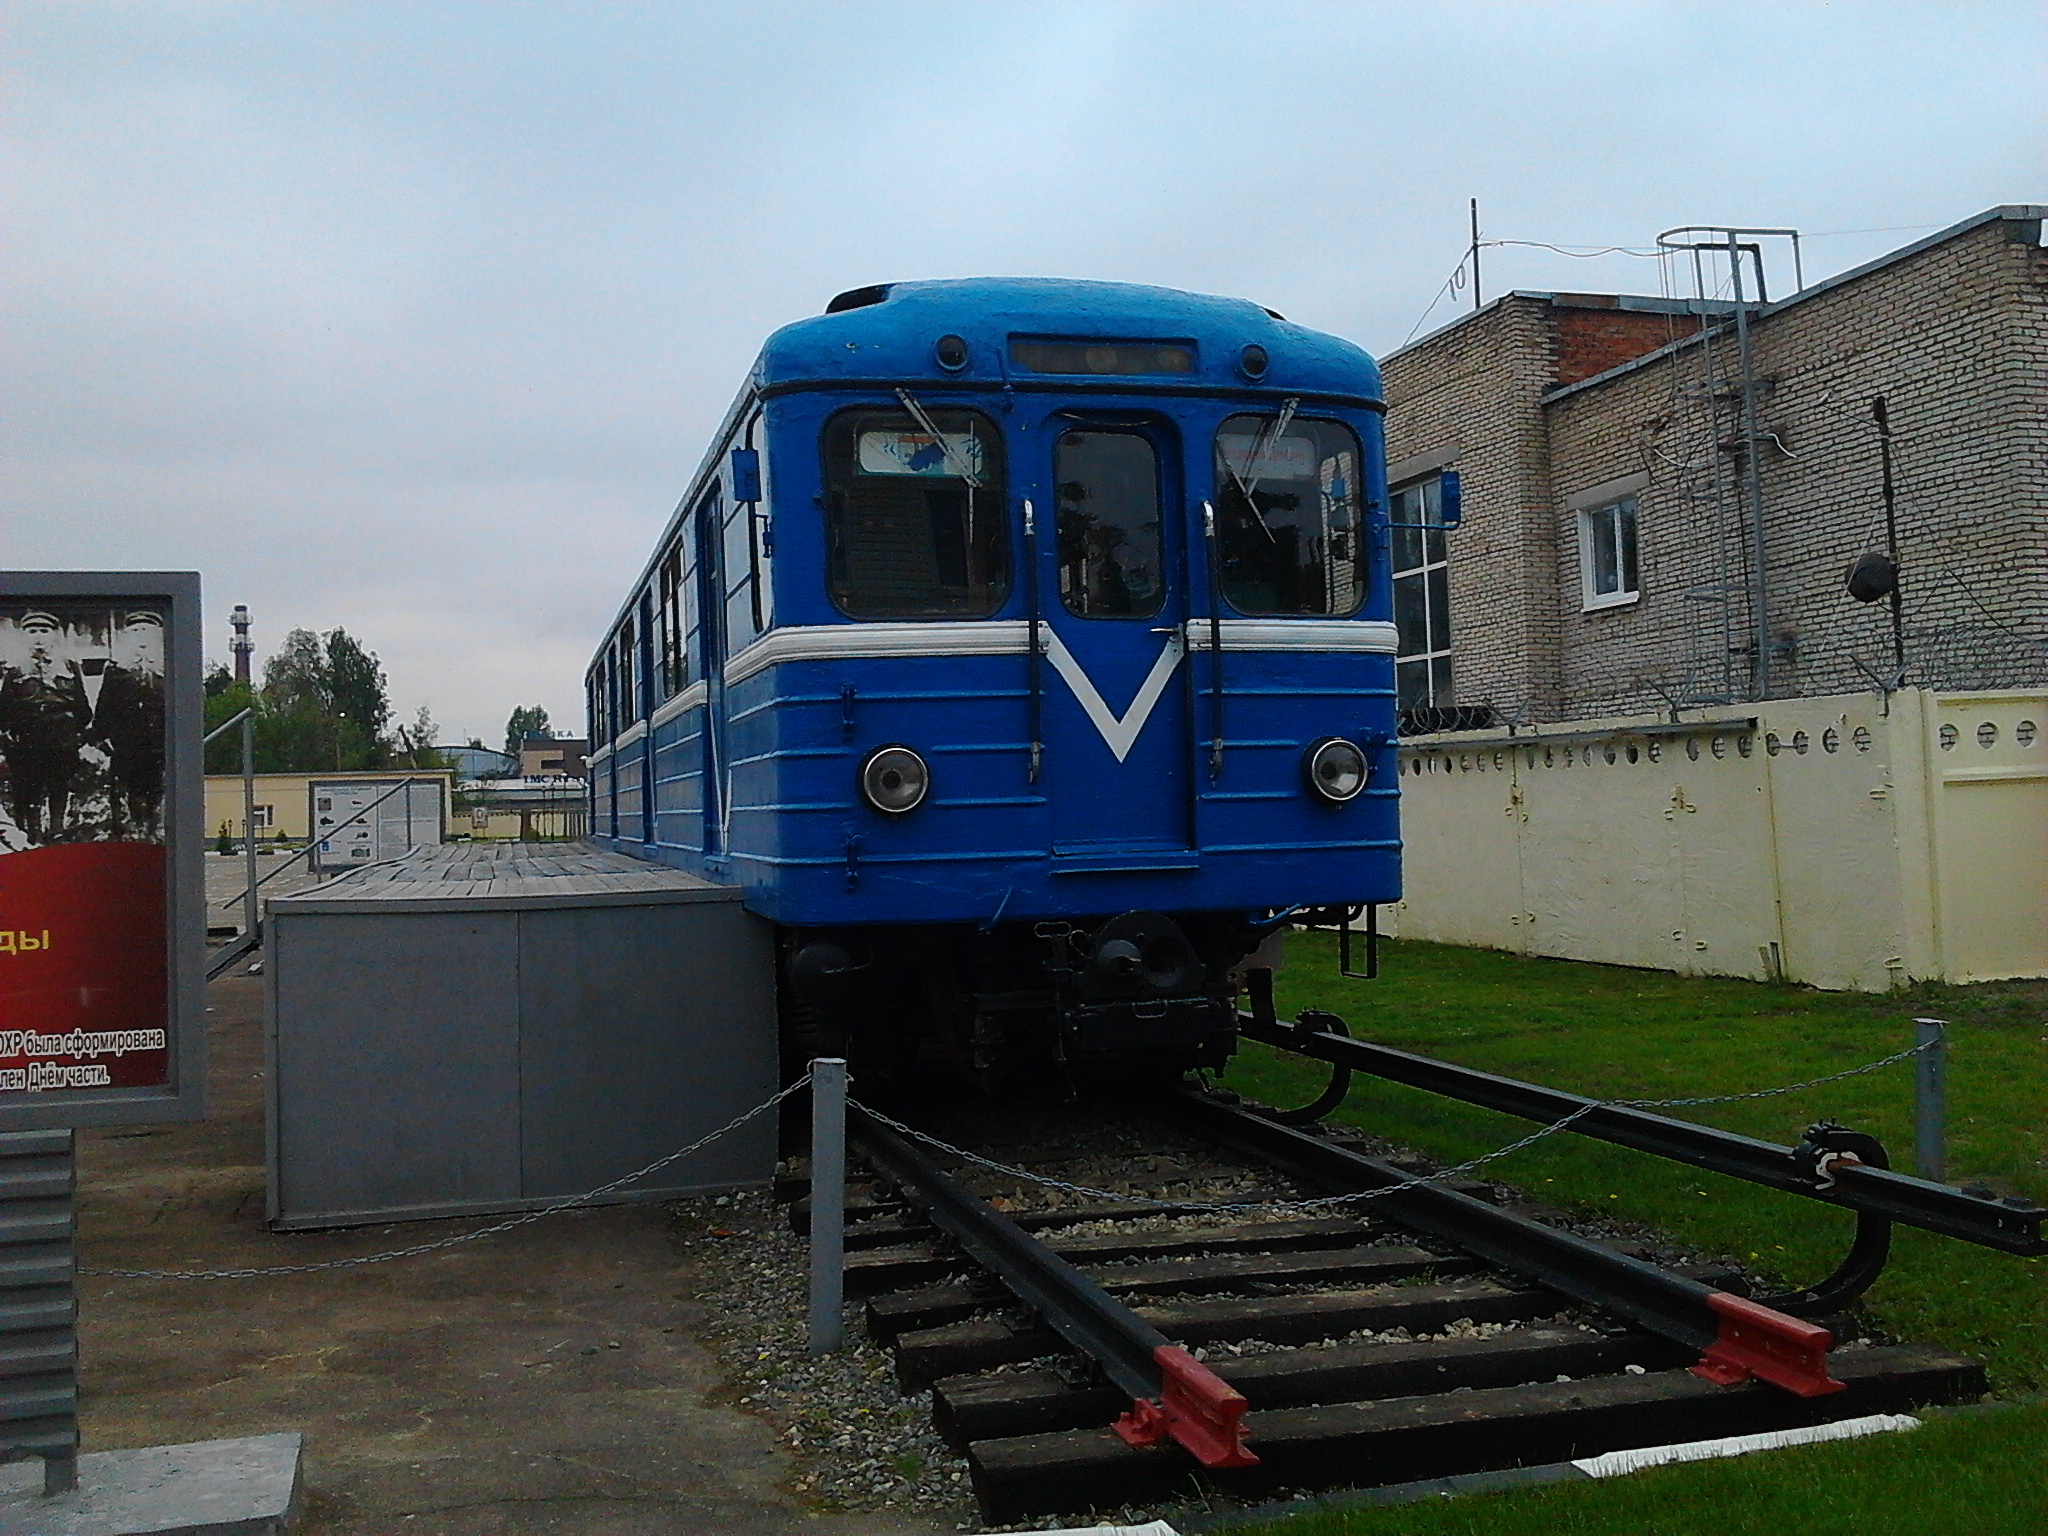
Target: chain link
x: 524, y: 1219
x: 1360, y: 1196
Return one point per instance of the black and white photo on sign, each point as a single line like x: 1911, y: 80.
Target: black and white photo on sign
x: 81, y: 724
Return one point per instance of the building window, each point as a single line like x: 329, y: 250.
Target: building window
x: 1422, y: 597
x: 260, y: 818
x: 1607, y: 553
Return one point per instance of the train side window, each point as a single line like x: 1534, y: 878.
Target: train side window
x: 1107, y: 490
x: 646, y: 659
x: 761, y: 535
x: 673, y: 651
x: 629, y: 675
x: 915, y: 525
x: 1290, y: 521
x: 737, y: 564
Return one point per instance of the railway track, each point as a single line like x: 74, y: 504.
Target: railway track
x: 1089, y: 1354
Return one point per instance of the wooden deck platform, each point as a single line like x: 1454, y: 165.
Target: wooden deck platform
x: 466, y: 877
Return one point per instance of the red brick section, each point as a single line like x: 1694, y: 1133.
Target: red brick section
x: 1591, y: 341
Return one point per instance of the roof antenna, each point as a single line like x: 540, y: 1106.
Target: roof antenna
x: 1475, y: 254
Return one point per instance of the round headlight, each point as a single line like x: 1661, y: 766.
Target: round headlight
x: 894, y: 780
x: 1335, y: 769
x: 951, y: 352
x: 1252, y: 361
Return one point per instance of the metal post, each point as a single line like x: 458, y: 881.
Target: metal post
x: 249, y: 823
x: 1752, y: 478
x: 1475, y: 254
x: 1930, y: 1094
x: 828, y: 1202
x: 1883, y: 418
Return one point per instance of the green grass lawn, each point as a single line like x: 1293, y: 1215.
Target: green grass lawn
x: 1617, y: 1033
x: 1970, y: 1476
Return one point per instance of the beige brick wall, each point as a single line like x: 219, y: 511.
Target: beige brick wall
x: 1476, y: 388
x: 1955, y: 336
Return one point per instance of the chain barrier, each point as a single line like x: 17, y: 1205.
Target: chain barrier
x: 525, y: 1218
x: 1199, y: 1207
x: 1771, y: 1093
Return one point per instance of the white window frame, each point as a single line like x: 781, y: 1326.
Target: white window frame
x: 1433, y: 572
x: 1606, y: 503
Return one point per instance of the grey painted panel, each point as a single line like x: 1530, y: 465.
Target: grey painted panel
x: 396, y: 1060
x: 643, y: 1028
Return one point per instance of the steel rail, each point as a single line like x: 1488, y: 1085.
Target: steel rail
x: 2009, y: 1225
x: 1737, y: 1338
x: 1173, y: 1395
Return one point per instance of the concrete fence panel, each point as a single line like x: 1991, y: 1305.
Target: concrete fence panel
x: 1857, y: 841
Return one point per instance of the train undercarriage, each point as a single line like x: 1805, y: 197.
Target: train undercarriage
x: 1127, y: 995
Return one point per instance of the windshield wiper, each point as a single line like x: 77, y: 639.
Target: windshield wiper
x: 1255, y: 462
x: 953, y: 459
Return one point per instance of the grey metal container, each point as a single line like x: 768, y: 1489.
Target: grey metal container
x: 472, y: 1032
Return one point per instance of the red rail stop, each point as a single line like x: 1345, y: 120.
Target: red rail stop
x: 1196, y: 1408
x: 1755, y: 1341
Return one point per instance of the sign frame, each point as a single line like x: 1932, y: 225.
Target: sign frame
x: 183, y: 1096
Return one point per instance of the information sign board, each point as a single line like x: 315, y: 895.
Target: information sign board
x: 102, y: 888
x: 372, y: 820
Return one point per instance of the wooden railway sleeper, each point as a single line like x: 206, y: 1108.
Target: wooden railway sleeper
x: 1737, y: 1338
x: 1173, y: 1396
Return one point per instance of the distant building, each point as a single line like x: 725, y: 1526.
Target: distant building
x: 553, y: 757
x: 479, y: 762
x: 545, y: 808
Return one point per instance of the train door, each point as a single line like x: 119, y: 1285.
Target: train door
x: 711, y: 663
x: 1117, y: 763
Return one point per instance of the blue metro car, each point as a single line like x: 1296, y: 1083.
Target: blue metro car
x: 1023, y: 650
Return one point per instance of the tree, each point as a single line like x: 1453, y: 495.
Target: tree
x: 355, y: 685
x: 416, y: 744
x: 322, y: 708
x: 527, y: 720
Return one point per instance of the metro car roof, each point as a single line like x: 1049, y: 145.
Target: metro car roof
x: 887, y: 332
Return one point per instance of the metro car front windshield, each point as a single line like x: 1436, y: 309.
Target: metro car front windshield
x: 914, y: 517
x: 1289, y: 515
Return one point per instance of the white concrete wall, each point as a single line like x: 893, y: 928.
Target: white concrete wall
x: 1833, y: 841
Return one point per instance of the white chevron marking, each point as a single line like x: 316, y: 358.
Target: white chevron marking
x: 1119, y: 732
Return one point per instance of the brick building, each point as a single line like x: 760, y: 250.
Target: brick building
x: 1621, y: 553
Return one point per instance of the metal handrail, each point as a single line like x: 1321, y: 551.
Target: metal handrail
x: 235, y: 719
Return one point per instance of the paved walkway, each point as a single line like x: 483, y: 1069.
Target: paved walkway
x: 549, y: 1380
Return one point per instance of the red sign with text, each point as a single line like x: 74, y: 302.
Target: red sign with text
x: 85, y: 996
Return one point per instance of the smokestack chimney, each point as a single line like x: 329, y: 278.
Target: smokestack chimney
x: 241, y: 645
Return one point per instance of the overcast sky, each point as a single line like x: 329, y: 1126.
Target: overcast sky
x: 413, y: 318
